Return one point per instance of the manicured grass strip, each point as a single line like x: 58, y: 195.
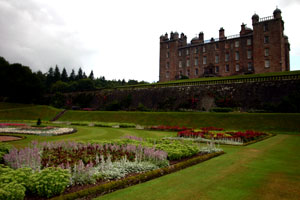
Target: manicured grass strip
x: 85, y: 134
x: 29, y: 113
x: 268, y: 122
x: 133, y: 180
x: 242, y: 173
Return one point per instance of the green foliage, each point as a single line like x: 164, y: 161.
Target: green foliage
x: 49, y: 182
x: 13, y: 182
x: 4, y: 149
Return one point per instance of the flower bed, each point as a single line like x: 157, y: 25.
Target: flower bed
x: 36, y: 166
x: 45, y: 131
x: 224, y: 137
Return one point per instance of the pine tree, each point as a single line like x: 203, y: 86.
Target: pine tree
x: 91, y: 76
x: 57, y: 75
x: 79, y: 75
x: 50, y: 77
x: 72, y: 76
x: 64, y: 75
x: 84, y: 75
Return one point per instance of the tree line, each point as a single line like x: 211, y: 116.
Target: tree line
x: 19, y: 84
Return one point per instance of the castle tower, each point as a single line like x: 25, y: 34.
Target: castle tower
x: 269, y: 45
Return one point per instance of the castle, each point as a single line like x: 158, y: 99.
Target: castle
x: 262, y: 49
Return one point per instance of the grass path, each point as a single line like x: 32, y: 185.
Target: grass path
x: 265, y: 170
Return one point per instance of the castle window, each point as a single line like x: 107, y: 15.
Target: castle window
x: 266, y: 27
x: 226, y: 68
x: 179, y: 53
x: 187, y: 52
x: 204, y: 50
x: 217, y: 46
x: 266, y: 39
x: 217, y: 59
x: 196, y: 61
x: 196, y: 71
x: 249, y: 42
x: 180, y: 73
x: 204, y: 60
x: 267, y: 63
x: 237, y: 67
x: 249, y: 54
x: 249, y: 66
x: 167, y: 75
x: 266, y: 52
x: 167, y: 65
x: 196, y: 50
x: 168, y: 54
x: 180, y: 64
x: 237, y: 55
x: 188, y: 63
x: 217, y: 69
x: 226, y: 57
x: 237, y: 44
x: 167, y: 45
x: 188, y: 72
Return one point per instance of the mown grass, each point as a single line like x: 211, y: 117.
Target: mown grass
x: 85, y: 134
x: 242, y: 173
x: 272, y: 122
x: 23, y: 112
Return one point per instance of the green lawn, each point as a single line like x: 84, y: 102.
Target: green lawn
x: 273, y: 122
x: 265, y: 170
x: 27, y: 112
x: 85, y: 133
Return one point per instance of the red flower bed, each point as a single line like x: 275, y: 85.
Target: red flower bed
x: 205, y: 133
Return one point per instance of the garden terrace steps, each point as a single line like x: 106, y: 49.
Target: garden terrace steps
x: 58, y: 115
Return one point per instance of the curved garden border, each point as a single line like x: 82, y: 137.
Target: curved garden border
x: 133, y: 180
x: 50, y: 132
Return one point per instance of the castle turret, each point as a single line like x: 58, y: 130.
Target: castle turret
x: 277, y: 13
x: 255, y: 19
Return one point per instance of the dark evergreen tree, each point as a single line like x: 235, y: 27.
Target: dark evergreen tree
x: 64, y: 75
x: 79, y: 74
x: 50, y: 77
x: 91, y: 76
x: 72, y: 76
x: 84, y: 75
x: 57, y: 75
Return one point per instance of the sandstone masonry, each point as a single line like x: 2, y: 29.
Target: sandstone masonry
x: 262, y: 49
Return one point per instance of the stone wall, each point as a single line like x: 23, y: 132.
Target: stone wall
x: 252, y: 95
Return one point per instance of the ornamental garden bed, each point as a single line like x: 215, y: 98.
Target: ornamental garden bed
x: 217, y: 135
x: 74, y: 170
x: 34, y: 130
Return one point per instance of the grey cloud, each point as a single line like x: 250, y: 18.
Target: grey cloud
x: 286, y: 3
x: 35, y: 35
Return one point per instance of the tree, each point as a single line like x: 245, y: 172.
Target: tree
x: 57, y: 75
x: 72, y: 76
x: 84, y: 75
x: 80, y: 74
x: 91, y: 76
x: 64, y: 75
x: 50, y: 77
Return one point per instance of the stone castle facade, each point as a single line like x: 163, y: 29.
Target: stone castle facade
x: 262, y: 49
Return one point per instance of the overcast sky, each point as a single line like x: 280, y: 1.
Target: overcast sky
x: 120, y: 38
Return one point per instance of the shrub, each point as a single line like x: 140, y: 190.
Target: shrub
x: 13, y: 182
x: 4, y: 149
x: 49, y: 182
